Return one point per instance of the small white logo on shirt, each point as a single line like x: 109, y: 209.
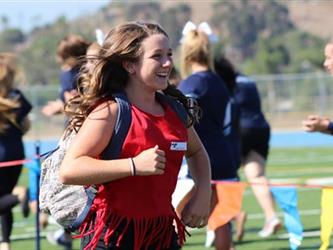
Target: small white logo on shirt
x: 178, y: 146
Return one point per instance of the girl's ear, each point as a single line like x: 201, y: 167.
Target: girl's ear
x: 128, y: 67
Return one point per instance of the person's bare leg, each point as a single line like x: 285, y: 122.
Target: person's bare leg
x: 254, y: 170
x: 43, y: 217
x: 223, y: 238
x: 240, y: 220
x: 22, y: 194
x: 223, y: 234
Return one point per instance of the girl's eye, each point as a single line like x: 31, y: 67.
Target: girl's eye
x: 170, y: 54
x: 156, y: 56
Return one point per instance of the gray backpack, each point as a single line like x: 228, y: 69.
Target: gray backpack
x: 69, y: 204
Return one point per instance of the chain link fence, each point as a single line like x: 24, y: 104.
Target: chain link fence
x: 289, y: 98
x: 286, y: 100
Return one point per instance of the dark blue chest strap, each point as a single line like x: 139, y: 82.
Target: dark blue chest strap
x: 112, y: 151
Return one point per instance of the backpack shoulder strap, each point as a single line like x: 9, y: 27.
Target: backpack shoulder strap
x: 123, y: 123
x: 175, y: 105
x: 112, y: 150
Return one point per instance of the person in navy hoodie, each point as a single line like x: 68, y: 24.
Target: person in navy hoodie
x: 70, y: 50
x: 254, y: 136
x: 215, y: 127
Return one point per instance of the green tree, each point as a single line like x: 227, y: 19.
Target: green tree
x: 272, y: 56
x: 291, y: 52
x: 9, y: 38
x: 173, y: 20
x: 144, y: 11
x: 241, y: 22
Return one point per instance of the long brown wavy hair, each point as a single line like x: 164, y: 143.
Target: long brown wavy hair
x: 108, y: 76
x: 7, y: 77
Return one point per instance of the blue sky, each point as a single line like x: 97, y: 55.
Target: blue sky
x: 25, y: 14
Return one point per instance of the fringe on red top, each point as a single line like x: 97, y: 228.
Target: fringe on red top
x: 147, y: 231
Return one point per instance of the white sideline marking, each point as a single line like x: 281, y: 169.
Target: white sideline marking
x: 305, y: 234
x: 27, y: 236
x: 302, y: 170
x: 320, y: 181
x: 313, y: 181
x: 285, y: 180
x: 297, y: 160
x: 301, y: 212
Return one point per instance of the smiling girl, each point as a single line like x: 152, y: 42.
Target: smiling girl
x: 132, y: 209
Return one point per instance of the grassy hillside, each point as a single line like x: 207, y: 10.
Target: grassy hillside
x: 313, y: 16
x: 253, y: 33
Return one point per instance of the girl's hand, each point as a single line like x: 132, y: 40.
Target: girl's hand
x: 196, y: 211
x: 150, y: 162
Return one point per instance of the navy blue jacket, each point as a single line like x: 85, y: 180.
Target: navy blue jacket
x: 213, y: 129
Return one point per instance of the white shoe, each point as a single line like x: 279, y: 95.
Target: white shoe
x: 271, y: 227
x: 4, y: 246
x: 210, y: 238
x: 60, y: 238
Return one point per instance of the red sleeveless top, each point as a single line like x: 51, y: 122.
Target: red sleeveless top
x: 143, y: 201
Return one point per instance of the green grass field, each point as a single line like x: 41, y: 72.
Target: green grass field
x: 291, y: 165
